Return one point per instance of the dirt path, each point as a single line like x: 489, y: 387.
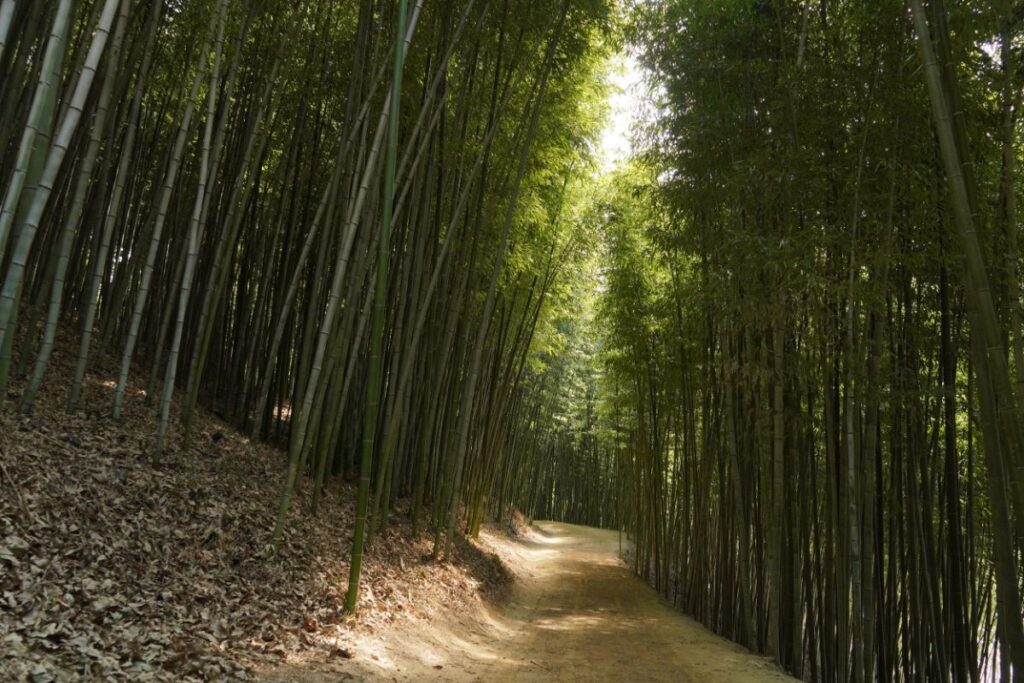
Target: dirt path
x: 576, y: 614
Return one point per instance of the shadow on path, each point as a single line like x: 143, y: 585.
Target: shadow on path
x: 576, y: 613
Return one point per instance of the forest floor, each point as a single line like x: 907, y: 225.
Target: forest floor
x: 576, y: 614
x: 116, y: 568
x: 113, y: 568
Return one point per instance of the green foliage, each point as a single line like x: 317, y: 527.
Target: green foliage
x: 777, y: 275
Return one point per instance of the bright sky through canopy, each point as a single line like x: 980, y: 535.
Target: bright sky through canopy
x: 616, y: 141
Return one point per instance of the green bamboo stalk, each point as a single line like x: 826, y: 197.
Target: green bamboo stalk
x: 11, y: 292
x: 989, y: 356
x: 373, y: 384
x: 354, y: 214
x: 195, y: 234
x: 299, y: 430
x: 6, y: 16
x: 469, y: 389
x: 162, y: 206
x: 113, y: 210
x: 254, y: 148
x: 82, y: 185
x: 39, y: 118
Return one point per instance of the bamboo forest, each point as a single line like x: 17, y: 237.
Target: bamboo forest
x: 511, y: 340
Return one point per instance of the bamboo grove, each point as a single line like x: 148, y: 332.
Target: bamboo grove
x: 797, y: 384
x: 782, y: 349
x: 334, y: 224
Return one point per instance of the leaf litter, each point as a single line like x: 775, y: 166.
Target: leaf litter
x: 113, y: 568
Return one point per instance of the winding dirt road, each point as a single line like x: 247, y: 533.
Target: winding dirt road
x: 577, y: 614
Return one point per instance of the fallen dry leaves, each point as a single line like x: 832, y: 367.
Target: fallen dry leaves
x: 112, y: 568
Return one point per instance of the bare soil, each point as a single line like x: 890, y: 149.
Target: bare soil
x: 575, y: 613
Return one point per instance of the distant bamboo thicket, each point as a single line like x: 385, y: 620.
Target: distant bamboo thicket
x: 806, y: 395
x: 329, y: 222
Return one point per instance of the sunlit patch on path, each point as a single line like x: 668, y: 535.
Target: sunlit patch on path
x: 577, y: 613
